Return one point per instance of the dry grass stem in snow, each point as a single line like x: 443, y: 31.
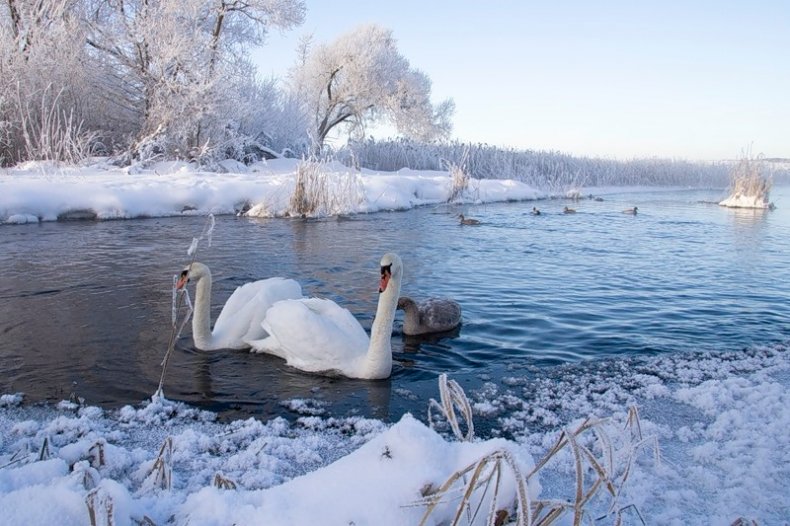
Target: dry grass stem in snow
x: 161, y: 474
x: 96, y: 452
x: 43, y: 453
x: 221, y: 482
x: 606, y: 470
x: 100, y: 508
x: 452, y: 395
x: 486, y: 474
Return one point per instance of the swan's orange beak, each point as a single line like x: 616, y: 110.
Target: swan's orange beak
x: 182, y: 280
x: 385, y: 278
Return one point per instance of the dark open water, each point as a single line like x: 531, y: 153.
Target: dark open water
x: 85, y: 307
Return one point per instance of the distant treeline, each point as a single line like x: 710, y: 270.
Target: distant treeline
x: 549, y: 170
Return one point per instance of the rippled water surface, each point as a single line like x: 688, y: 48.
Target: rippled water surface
x: 85, y: 307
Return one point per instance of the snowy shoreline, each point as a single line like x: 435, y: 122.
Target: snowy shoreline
x: 38, y: 192
x: 720, y: 421
x: 35, y: 192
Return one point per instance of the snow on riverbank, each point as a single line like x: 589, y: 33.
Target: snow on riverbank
x: 720, y: 421
x: 35, y: 192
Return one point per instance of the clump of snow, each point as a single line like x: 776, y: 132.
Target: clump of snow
x: 746, y: 201
x: 11, y: 400
x: 21, y: 219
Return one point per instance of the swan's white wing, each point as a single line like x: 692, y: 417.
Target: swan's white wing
x: 313, y: 335
x: 241, y: 317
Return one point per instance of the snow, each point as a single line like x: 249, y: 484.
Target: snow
x: 719, y: 420
x: 745, y: 201
x: 33, y: 192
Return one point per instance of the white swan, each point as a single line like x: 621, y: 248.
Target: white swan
x: 431, y: 315
x: 317, y: 335
x: 241, y: 316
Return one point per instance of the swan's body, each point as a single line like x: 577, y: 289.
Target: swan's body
x: 568, y: 211
x: 241, y: 316
x: 431, y: 315
x: 631, y: 211
x: 318, y: 335
x: 468, y: 220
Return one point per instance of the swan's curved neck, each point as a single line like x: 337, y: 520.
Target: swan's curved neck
x: 201, y: 317
x: 378, y: 360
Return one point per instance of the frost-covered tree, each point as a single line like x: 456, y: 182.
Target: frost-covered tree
x: 44, y: 85
x: 174, y: 61
x: 360, y: 79
x: 151, y: 77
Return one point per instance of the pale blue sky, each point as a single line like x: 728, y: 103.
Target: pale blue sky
x: 678, y: 79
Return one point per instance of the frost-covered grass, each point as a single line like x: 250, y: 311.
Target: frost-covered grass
x: 550, y: 171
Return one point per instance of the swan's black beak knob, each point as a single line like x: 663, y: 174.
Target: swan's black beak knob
x: 386, y: 272
x: 183, y: 279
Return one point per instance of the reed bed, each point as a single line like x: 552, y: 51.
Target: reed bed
x: 551, y: 171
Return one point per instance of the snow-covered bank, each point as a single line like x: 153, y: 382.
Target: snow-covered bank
x: 35, y: 192
x: 720, y: 421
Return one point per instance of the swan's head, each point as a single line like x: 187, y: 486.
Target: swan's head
x: 194, y: 271
x: 391, y: 267
x: 404, y: 301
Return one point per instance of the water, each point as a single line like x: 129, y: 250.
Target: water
x: 85, y: 307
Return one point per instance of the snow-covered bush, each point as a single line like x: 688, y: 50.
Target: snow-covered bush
x: 750, y: 185
x: 321, y: 192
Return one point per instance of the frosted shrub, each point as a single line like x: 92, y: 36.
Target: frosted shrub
x: 750, y: 186
x: 46, y: 132
x: 318, y: 192
x: 460, y: 178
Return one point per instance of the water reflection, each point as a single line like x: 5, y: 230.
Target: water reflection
x: 412, y: 344
x: 267, y: 382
